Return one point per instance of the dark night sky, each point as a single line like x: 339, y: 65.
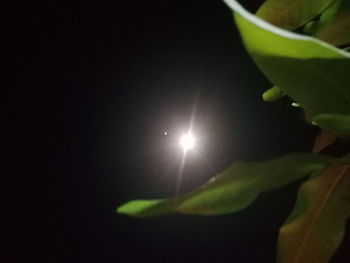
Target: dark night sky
x: 100, y: 83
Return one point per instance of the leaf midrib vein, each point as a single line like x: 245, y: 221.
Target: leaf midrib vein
x: 319, y: 211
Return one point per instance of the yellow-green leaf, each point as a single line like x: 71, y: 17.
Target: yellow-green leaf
x: 144, y: 208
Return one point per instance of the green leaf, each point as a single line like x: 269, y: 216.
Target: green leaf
x: 291, y: 14
x: 337, y: 32
x: 333, y: 26
x: 313, y: 73
x: 144, y: 208
x: 331, y: 12
x: 316, y: 226
x: 234, y: 189
x: 337, y: 124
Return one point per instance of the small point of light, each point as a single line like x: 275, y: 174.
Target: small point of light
x: 165, y: 133
x: 187, y: 141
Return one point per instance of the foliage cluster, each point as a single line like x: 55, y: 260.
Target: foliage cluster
x: 301, y: 47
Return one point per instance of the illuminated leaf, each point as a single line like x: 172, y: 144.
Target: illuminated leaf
x: 291, y: 14
x: 316, y: 226
x: 234, y: 189
x: 144, y: 208
x: 313, y: 73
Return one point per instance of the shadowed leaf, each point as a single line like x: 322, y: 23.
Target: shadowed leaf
x: 332, y: 11
x: 333, y: 26
x: 316, y: 226
x: 337, y: 32
x: 234, y: 189
x: 337, y: 124
x: 291, y: 14
x: 323, y: 140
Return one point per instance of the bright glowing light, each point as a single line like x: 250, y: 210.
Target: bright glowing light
x: 187, y: 141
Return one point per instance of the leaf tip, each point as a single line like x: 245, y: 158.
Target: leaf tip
x: 273, y: 94
x: 136, y: 207
x: 145, y: 208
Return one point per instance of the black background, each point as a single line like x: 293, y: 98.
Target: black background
x: 98, y: 85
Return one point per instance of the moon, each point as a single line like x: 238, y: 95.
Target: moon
x: 187, y: 141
